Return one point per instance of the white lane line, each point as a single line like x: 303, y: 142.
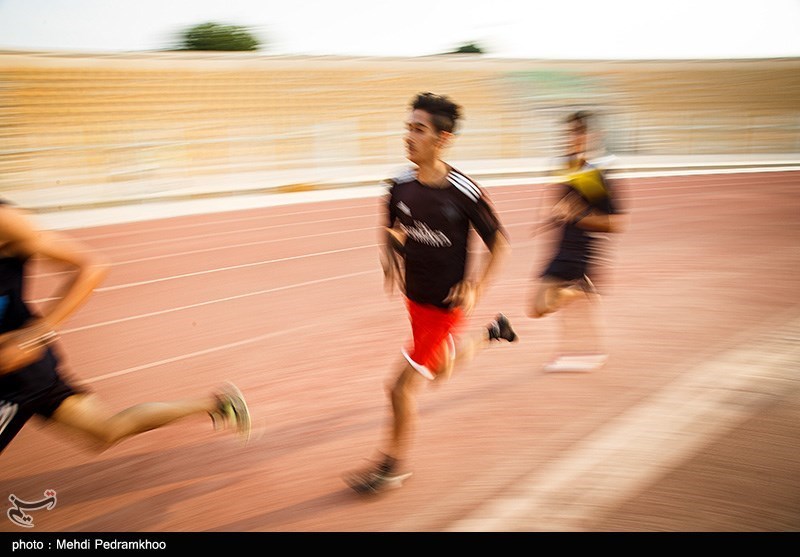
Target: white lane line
x: 217, y: 270
x: 515, y: 201
x: 687, y: 203
x: 261, y: 217
x: 643, y: 444
x: 705, y: 172
x: 302, y: 256
x: 155, y: 210
x: 189, y: 355
x: 242, y: 245
x: 230, y: 232
x: 216, y: 248
x: 216, y: 221
x: 231, y: 268
x: 215, y: 301
x: 678, y: 205
x: 169, y: 209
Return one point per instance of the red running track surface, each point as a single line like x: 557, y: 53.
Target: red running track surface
x: 288, y: 303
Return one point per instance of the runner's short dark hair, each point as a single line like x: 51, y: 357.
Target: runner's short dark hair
x: 444, y: 112
x: 579, y: 119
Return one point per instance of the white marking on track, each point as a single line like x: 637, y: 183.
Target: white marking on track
x: 211, y: 350
x: 226, y: 247
x: 217, y: 270
x: 640, y: 446
x: 215, y: 301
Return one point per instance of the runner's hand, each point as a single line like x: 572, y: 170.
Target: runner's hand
x: 392, y: 270
x: 464, y: 295
x: 568, y: 208
x: 24, y: 346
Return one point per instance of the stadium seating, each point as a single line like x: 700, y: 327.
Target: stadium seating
x: 83, y: 119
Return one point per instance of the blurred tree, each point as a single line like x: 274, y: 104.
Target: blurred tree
x: 468, y: 48
x: 215, y: 36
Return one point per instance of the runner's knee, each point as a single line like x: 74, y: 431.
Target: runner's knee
x: 82, y: 413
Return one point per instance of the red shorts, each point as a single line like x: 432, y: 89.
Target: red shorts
x: 431, y: 328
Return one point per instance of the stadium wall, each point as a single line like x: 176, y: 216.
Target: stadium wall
x: 93, y: 119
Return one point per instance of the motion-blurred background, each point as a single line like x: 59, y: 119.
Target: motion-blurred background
x: 117, y: 93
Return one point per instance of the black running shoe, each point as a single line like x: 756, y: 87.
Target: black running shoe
x: 500, y: 329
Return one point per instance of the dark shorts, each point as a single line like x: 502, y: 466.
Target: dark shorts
x: 573, y: 270
x: 565, y: 270
x: 37, y: 389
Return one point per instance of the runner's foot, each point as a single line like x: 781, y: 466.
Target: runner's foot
x: 500, y: 329
x: 376, y: 478
x: 232, y: 411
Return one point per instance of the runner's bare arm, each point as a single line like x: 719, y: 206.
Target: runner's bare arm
x: 391, y: 255
x: 467, y: 293
x: 596, y: 221
x: 21, y: 238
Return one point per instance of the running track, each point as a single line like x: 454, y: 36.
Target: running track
x: 691, y: 426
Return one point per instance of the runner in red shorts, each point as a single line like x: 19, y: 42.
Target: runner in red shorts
x: 430, y: 211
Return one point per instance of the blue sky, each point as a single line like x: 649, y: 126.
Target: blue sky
x: 561, y: 29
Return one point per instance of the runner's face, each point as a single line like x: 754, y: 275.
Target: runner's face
x: 423, y: 142
x: 577, y: 139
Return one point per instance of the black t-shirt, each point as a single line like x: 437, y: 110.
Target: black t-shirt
x: 578, y: 244
x: 13, y: 310
x: 437, y: 221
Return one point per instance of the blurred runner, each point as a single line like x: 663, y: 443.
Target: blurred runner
x: 31, y: 380
x: 585, y: 208
x: 430, y: 211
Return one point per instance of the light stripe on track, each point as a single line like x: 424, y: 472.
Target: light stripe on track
x: 230, y: 232
x: 302, y: 256
x: 216, y: 248
x: 169, y: 209
x: 678, y: 205
x: 254, y: 229
x: 214, y: 222
x: 216, y: 301
x: 217, y: 270
x: 643, y: 444
x: 649, y: 197
x: 189, y: 355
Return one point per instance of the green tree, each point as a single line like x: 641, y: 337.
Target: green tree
x: 468, y: 48
x: 216, y: 36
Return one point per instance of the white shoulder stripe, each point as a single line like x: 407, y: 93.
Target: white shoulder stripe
x: 463, y: 189
x: 465, y: 186
x: 466, y: 182
x: 7, y: 413
x: 406, y: 175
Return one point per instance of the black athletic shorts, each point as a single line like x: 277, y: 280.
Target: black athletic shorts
x: 38, y: 389
x: 565, y: 270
